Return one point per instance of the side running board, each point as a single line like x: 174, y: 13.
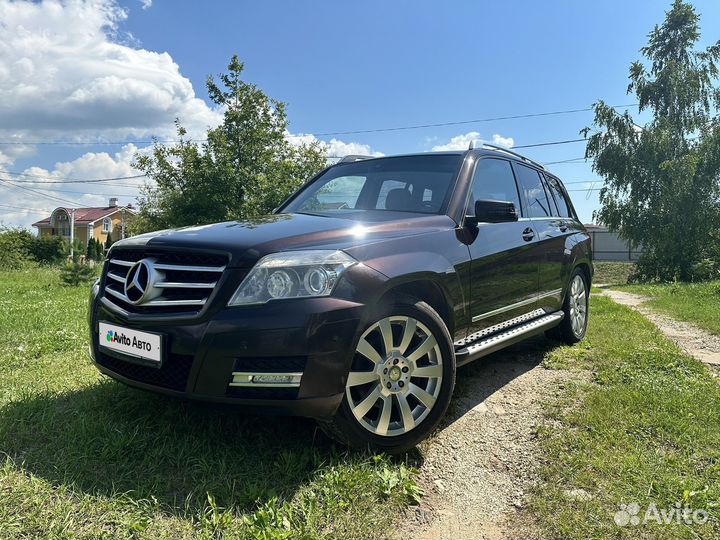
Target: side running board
x: 472, y: 349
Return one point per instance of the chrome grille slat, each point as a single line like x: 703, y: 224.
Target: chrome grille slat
x: 121, y: 296
x: 121, y: 279
x: 190, y: 268
x: 178, y: 287
x: 178, y: 267
x: 121, y: 262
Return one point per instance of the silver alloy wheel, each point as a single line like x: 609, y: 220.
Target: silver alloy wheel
x: 578, y: 305
x: 400, y: 390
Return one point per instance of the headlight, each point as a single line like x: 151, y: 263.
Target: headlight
x: 292, y: 274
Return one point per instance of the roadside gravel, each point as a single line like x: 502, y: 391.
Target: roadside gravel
x: 478, y: 469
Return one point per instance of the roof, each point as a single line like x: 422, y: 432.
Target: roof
x: 488, y: 150
x: 85, y: 216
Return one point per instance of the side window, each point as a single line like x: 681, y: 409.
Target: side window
x: 531, y: 183
x: 558, y: 195
x: 494, y: 180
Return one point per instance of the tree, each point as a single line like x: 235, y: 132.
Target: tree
x: 108, y: 241
x: 662, y: 183
x: 74, y: 273
x: 245, y: 168
x: 99, y: 251
x: 91, y: 252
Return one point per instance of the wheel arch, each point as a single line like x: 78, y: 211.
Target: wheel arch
x: 429, y: 291
x: 586, y: 268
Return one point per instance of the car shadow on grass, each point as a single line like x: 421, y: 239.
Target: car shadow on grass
x: 107, y: 439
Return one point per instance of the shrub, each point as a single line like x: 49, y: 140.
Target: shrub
x: 49, y: 249
x: 75, y: 274
x: 15, y: 248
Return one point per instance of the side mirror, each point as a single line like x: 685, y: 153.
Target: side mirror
x: 489, y: 211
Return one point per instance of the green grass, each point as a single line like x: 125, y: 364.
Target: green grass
x: 697, y: 303
x: 82, y: 456
x: 644, y: 429
x: 612, y: 273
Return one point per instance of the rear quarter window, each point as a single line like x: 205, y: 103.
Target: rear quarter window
x: 558, y: 194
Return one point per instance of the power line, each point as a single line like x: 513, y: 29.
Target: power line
x: 461, y: 122
x: 572, y: 160
x: 7, y: 183
x: 108, y: 193
x: 68, y: 179
x: 567, y: 141
x: 329, y: 133
x: 24, y: 209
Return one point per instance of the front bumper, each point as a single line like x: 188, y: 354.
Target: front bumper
x: 313, y: 336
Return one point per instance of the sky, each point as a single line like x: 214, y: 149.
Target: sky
x: 109, y: 75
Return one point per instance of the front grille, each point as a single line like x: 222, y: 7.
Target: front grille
x: 182, y: 282
x: 172, y: 374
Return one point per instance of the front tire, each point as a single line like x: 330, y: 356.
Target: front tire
x: 400, y: 382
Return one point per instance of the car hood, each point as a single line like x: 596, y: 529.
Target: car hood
x: 247, y: 241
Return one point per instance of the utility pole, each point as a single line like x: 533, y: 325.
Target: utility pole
x: 72, y: 233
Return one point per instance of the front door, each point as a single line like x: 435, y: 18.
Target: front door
x: 504, y: 266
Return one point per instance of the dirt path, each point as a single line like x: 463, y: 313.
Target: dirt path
x: 690, y: 338
x: 478, y: 468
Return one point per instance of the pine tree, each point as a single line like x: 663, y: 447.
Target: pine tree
x: 91, y: 252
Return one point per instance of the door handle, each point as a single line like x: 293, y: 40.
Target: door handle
x: 528, y: 234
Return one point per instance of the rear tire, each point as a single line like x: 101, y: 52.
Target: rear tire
x: 576, y: 308
x: 400, y: 382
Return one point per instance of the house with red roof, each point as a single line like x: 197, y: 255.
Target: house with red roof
x: 87, y: 223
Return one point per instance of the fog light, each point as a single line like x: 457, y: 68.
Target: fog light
x: 273, y: 379
x: 279, y: 380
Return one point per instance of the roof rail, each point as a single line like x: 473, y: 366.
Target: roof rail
x: 354, y: 157
x: 507, y: 151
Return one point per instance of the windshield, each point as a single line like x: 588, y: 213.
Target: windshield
x: 418, y: 184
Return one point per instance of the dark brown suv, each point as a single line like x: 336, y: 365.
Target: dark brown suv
x: 355, y: 301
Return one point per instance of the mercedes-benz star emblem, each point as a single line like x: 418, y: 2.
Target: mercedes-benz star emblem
x: 139, y: 281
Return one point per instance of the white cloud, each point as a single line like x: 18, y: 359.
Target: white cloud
x: 499, y: 140
x: 462, y: 142
x: 459, y: 142
x: 64, y: 74
x: 93, y: 165
x: 334, y: 148
x: 17, y: 204
x: 146, y: 4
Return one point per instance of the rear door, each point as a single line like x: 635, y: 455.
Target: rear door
x: 550, y: 232
x: 504, y: 270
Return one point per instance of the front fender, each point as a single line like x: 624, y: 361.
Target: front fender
x: 439, y: 257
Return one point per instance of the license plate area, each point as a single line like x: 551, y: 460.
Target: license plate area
x: 140, y: 347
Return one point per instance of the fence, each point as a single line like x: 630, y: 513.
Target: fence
x: 607, y: 246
